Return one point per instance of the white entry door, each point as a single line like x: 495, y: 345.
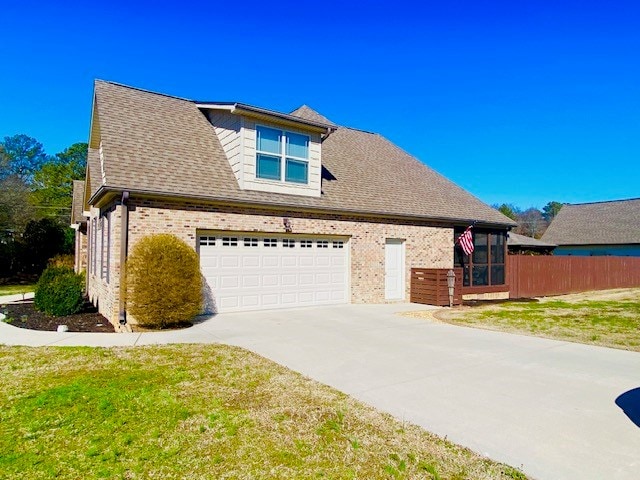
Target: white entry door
x: 394, y: 269
x: 256, y: 272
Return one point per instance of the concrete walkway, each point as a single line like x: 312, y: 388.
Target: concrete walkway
x: 546, y: 406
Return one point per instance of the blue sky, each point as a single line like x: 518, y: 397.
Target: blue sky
x: 520, y: 102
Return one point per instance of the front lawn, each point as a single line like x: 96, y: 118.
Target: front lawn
x: 201, y: 411
x: 607, y: 318
x: 15, y: 289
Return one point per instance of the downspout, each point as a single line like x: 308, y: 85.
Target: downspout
x: 124, y: 237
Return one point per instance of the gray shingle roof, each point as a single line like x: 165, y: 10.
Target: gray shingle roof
x: 77, y: 205
x: 517, y: 240
x: 601, y: 223
x: 161, y: 144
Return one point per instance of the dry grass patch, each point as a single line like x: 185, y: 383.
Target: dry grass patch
x: 608, y: 318
x: 197, y: 411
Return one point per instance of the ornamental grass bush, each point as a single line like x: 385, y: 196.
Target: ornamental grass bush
x: 59, y: 291
x: 164, y: 286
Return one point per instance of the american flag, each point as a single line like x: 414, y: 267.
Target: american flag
x: 466, y: 241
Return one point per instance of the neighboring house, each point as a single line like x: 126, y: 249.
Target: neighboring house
x: 597, y: 229
x: 284, y: 210
x: 522, y: 245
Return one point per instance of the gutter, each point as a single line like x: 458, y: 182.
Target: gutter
x: 124, y: 237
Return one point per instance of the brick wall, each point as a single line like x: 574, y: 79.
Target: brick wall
x: 425, y: 246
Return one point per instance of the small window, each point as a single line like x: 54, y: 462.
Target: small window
x: 288, y: 243
x: 270, y: 242
x: 208, y: 241
x: 296, y: 171
x: 306, y: 244
x: 250, y: 242
x: 268, y: 167
x: 338, y: 244
x: 229, y: 241
x: 322, y: 244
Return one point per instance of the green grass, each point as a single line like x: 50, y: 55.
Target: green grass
x: 197, y: 411
x: 15, y: 289
x: 607, y: 322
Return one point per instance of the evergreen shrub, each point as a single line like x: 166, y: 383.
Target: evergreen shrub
x: 59, y: 291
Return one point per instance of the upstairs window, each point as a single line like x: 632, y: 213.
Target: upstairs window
x: 282, y: 155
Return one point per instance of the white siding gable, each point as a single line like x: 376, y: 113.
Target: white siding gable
x: 227, y: 128
x: 237, y: 136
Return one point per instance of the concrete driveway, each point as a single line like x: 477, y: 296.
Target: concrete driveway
x: 546, y: 406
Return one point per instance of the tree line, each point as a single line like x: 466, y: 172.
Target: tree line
x: 532, y: 222
x: 36, y: 192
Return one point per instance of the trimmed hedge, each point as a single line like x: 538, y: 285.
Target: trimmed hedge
x: 164, y: 285
x: 59, y: 291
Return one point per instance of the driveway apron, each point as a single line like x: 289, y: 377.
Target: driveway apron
x: 546, y: 406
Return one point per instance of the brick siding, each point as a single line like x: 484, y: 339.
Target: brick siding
x: 425, y: 246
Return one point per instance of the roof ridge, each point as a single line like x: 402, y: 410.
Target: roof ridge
x: 603, y: 201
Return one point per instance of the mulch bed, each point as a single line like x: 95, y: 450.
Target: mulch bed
x: 87, y: 320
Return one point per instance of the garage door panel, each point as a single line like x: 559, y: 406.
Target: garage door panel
x: 338, y: 295
x: 322, y: 278
x: 289, y: 280
x: 289, y: 261
x: 338, y: 261
x: 249, y: 281
x: 228, y: 302
x: 270, y: 300
x: 261, y: 272
x: 250, y: 301
x: 323, y: 296
x: 229, y: 261
x: 270, y: 280
x: 270, y: 261
x: 322, y: 261
x: 250, y: 261
x: 305, y: 279
x: 306, y: 297
x: 337, y: 279
x: 289, y: 298
x: 305, y: 261
x: 230, y: 281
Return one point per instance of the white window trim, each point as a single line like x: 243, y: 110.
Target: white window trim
x: 283, y: 156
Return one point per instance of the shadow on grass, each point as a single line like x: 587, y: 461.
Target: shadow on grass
x: 629, y: 402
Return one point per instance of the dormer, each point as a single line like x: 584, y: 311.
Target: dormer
x: 270, y: 151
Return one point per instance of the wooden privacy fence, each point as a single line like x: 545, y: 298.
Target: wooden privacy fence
x: 429, y: 286
x: 535, y: 276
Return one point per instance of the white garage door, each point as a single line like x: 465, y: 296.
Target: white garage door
x: 259, y: 272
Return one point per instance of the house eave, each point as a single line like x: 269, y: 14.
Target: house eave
x: 268, y: 115
x: 105, y: 194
